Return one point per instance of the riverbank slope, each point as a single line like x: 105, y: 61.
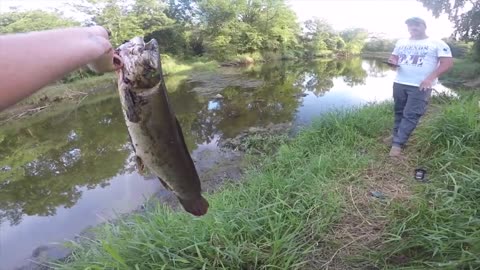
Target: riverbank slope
x: 329, y: 197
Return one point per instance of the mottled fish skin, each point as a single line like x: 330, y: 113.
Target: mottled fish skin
x: 154, y: 130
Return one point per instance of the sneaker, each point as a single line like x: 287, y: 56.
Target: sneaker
x: 388, y: 140
x: 395, y: 151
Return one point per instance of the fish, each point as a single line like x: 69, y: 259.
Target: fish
x: 153, y: 128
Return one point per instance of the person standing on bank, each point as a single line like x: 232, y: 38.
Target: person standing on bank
x: 419, y: 61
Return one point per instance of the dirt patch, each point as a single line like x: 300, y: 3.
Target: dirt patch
x: 362, y: 226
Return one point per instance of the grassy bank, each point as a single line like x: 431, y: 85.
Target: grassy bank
x: 439, y: 227
x: 292, y: 209
x: 172, y: 66
x: 276, y: 218
x: 463, y: 71
x: 61, y: 91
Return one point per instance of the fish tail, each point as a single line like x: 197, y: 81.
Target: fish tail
x: 197, y: 207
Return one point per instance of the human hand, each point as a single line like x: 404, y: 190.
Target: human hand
x: 392, y: 62
x: 107, y: 61
x: 426, y: 84
x: 56, y: 53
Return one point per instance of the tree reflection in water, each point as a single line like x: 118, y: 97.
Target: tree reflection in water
x: 45, y: 165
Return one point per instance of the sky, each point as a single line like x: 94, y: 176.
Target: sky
x: 378, y: 16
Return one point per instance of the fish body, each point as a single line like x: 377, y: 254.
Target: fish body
x: 154, y: 130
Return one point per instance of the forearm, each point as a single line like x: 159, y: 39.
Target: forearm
x: 54, y: 53
x: 441, y: 69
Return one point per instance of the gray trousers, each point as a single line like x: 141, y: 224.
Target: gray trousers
x: 410, y: 106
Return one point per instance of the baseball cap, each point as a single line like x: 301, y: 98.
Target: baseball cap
x: 416, y: 20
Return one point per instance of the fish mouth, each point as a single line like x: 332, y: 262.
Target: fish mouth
x: 148, y: 51
x: 141, y: 50
x: 141, y: 62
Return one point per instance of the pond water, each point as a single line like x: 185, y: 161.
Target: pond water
x: 73, y: 170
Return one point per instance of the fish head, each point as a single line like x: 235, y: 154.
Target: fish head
x: 141, y: 62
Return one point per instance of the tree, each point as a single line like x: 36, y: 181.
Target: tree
x: 320, y: 37
x: 281, y: 24
x: 34, y: 20
x: 465, y: 14
x: 183, y: 11
x: 247, y: 26
x: 125, y: 19
x: 354, y: 39
x: 316, y: 26
x: 380, y: 44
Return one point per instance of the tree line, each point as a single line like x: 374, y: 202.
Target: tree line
x: 465, y: 15
x: 460, y: 49
x: 216, y: 29
x: 224, y: 30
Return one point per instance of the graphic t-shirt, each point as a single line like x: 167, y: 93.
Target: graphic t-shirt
x: 418, y: 59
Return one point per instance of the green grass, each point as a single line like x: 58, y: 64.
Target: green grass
x: 172, y: 66
x: 289, y: 202
x: 463, y: 70
x: 273, y: 220
x: 246, y: 58
x: 440, y: 227
x: 178, y: 71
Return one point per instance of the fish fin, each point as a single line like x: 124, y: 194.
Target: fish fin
x: 182, y: 139
x: 165, y: 185
x: 197, y: 207
x: 140, y: 165
x: 130, y: 101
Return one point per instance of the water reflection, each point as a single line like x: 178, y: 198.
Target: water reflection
x: 276, y: 101
x: 48, y: 167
